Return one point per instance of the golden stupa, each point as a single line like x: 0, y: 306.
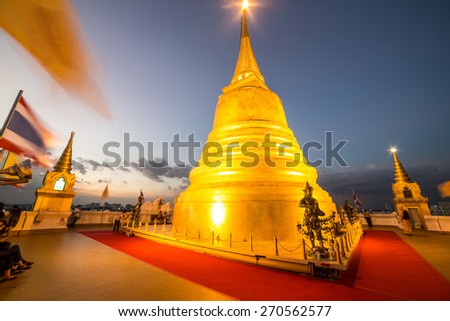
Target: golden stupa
x: 56, y: 193
x: 252, y: 172
x: 408, y: 195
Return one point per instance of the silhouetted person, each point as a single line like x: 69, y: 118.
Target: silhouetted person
x: 406, y: 223
x: 14, y: 216
x: 74, y: 217
x: 117, y: 218
x: 4, y: 229
x: 368, y: 218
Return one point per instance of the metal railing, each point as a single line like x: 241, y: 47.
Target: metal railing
x: 339, y: 247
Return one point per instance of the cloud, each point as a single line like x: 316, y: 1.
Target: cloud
x: 79, y: 167
x: 374, y: 186
x: 83, y: 181
x: 184, y: 184
x: 93, y: 163
x: 158, y: 170
x: 123, y: 169
x: 83, y: 166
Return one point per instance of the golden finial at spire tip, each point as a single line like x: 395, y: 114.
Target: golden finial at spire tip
x: 399, y: 172
x: 245, y: 4
x: 64, y: 163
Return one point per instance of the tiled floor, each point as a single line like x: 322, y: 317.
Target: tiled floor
x: 72, y: 267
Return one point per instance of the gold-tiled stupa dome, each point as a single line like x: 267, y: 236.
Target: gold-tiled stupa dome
x: 252, y: 172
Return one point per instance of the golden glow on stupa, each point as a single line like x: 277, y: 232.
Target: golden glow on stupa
x: 252, y: 171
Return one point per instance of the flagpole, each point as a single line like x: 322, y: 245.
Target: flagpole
x: 8, y: 119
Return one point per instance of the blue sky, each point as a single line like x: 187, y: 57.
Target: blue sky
x: 375, y: 73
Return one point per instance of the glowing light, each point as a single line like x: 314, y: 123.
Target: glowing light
x: 245, y: 4
x: 218, y: 214
x: 393, y: 150
x: 225, y: 173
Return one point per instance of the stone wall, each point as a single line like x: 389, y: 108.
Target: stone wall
x: 433, y: 222
x: 39, y: 222
x: 31, y: 222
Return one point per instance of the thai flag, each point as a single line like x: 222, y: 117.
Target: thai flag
x: 23, y: 133
x: 356, y: 199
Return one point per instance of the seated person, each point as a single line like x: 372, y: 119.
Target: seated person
x: 4, y: 229
x: 6, y: 265
x: 12, y: 251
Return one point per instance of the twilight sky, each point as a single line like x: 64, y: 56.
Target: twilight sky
x: 374, y: 73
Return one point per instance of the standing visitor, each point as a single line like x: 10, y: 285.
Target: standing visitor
x: 117, y: 218
x: 368, y: 218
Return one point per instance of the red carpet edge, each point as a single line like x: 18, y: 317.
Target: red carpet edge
x: 383, y: 268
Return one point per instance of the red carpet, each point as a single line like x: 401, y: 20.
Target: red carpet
x: 383, y: 268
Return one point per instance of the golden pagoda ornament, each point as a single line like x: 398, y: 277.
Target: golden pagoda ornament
x: 408, y: 195
x: 56, y: 193
x: 252, y: 172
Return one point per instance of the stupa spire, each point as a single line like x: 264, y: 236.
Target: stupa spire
x: 64, y: 163
x: 229, y: 194
x: 399, y: 172
x: 247, y: 65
